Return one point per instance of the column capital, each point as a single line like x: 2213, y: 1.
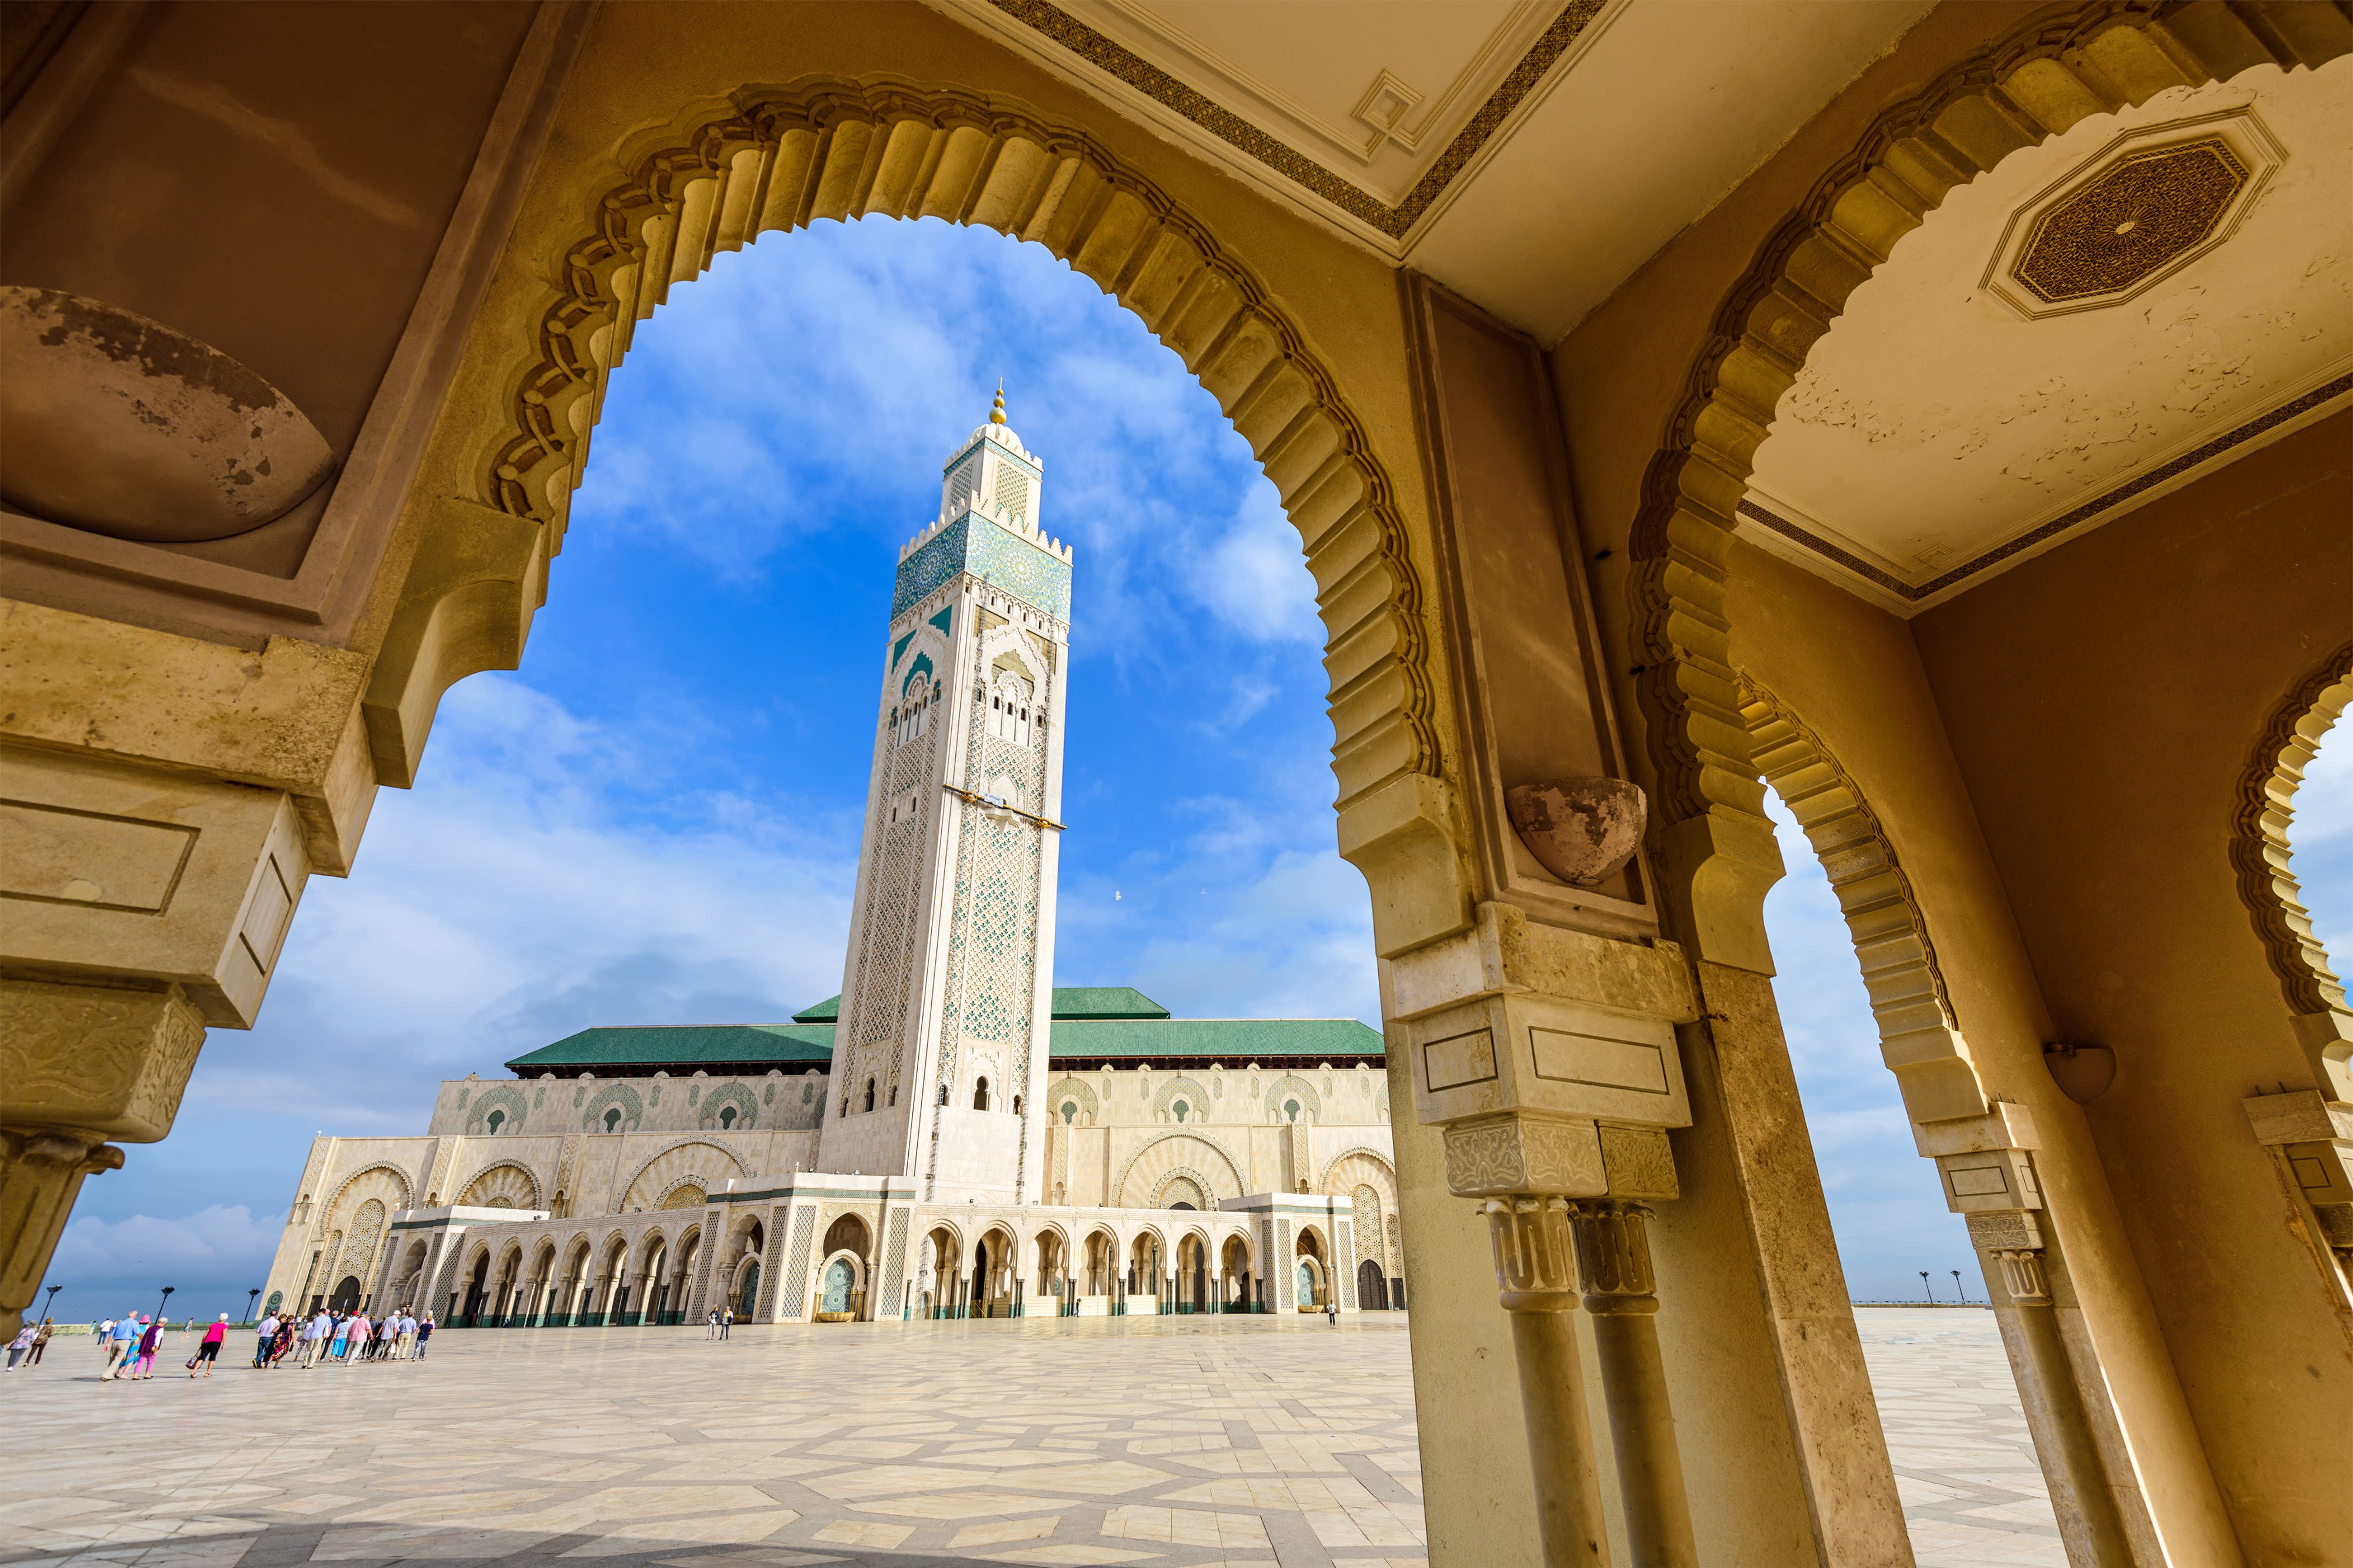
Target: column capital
x: 1534, y: 1267
x: 1613, y: 1256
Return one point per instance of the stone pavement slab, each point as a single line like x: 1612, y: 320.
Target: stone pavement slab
x: 1173, y: 1443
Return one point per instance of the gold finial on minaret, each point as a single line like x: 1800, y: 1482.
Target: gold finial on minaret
x: 996, y: 415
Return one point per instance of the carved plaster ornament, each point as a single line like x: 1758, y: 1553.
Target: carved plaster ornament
x: 1579, y: 829
x: 120, y: 426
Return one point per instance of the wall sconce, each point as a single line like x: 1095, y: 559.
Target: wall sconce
x: 2082, y: 1072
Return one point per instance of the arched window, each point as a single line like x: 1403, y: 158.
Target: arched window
x: 894, y: 1094
x: 980, y: 1095
x: 1290, y: 1109
x: 494, y: 1120
x: 1070, y: 1112
x: 1017, y: 1105
x: 1180, y: 1107
x: 613, y: 1119
x: 727, y: 1117
x: 870, y: 1094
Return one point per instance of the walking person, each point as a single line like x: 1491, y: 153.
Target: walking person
x: 361, y: 1331
x: 266, y: 1335
x: 424, y: 1332
x: 315, y: 1337
x: 21, y: 1346
x: 151, y: 1339
x: 209, y: 1348
x: 340, y: 1341
x: 726, y: 1320
x: 121, y: 1335
x: 41, y: 1339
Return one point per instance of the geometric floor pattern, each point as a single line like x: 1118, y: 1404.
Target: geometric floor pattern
x: 1175, y: 1443
x: 1973, y: 1496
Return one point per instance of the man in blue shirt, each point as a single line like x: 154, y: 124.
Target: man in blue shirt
x: 126, y: 1334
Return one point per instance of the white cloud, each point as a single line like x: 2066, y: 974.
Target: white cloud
x: 545, y: 875
x: 211, y: 1258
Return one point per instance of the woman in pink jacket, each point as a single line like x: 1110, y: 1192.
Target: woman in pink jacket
x: 209, y: 1351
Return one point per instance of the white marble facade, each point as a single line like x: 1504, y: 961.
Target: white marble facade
x: 952, y: 1133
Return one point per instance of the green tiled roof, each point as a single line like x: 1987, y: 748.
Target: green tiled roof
x: 1205, y: 1039
x: 1095, y: 1038
x: 1070, y: 1002
x: 688, y: 1044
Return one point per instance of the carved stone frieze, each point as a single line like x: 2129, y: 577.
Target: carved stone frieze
x: 1523, y: 1154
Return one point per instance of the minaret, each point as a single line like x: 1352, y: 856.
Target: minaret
x: 939, y: 1061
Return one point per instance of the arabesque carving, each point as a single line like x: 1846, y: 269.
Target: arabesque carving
x: 782, y: 157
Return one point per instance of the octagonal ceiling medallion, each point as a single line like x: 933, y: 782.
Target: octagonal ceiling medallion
x: 2135, y: 211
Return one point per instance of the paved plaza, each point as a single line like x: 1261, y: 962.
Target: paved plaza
x: 1194, y: 1441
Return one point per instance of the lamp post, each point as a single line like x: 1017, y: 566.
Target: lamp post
x: 1960, y: 1289
x: 1926, y: 1286
x: 166, y: 1302
x: 48, y: 1307
x: 250, y: 1297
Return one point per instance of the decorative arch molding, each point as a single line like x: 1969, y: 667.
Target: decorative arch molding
x: 475, y: 1193
x: 722, y: 172
x: 1291, y: 1086
x: 1167, y: 1159
x: 505, y: 1098
x: 1182, y: 1181
x: 1194, y: 1092
x: 2050, y: 75
x: 1073, y: 1089
x: 1919, y: 1030
x: 665, y: 1180
x: 331, y: 1212
x: 2260, y: 855
x: 1344, y: 1169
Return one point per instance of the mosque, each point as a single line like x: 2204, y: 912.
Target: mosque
x: 953, y: 1135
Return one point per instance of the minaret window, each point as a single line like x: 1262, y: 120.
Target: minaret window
x: 870, y: 1094
x: 980, y: 1095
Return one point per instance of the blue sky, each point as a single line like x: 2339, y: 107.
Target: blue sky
x: 656, y: 819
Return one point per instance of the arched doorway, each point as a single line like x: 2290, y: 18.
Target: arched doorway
x: 476, y: 1286
x: 747, y: 1290
x: 346, y: 1298
x: 1372, y: 1289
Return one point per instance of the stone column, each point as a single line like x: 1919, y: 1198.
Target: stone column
x: 2071, y: 1452
x: 1613, y: 1257
x: 1536, y: 1282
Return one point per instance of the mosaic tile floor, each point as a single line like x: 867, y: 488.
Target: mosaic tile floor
x: 1186, y: 1444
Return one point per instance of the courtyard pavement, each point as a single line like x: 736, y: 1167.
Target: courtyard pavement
x: 1177, y: 1442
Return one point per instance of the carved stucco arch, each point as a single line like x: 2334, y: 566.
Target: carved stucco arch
x: 779, y: 158
x: 536, y: 1189
x: 629, y: 1187
x: 1232, y: 1167
x: 2050, y: 75
x: 1919, y: 1030
x: 1333, y: 1169
x: 2260, y: 855
x: 330, y: 1212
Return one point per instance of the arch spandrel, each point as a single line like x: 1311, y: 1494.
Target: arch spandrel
x: 768, y: 158
x: 2046, y: 78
